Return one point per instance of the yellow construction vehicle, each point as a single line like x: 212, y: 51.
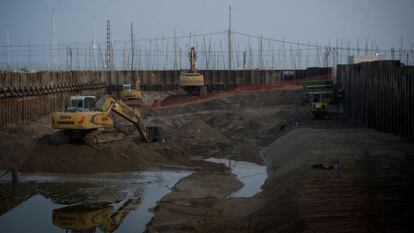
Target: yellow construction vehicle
x: 321, y: 94
x: 129, y: 93
x: 91, y: 121
x: 88, y: 217
x: 192, y: 81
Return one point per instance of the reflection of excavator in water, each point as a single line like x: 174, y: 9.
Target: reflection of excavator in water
x: 192, y: 81
x: 84, y: 119
x: 86, y: 218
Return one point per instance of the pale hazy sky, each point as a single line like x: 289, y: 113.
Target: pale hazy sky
x: 378, y: 22
x: 307, y: 20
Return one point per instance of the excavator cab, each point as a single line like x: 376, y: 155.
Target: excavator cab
x: 126, y: 87
x: 81, y: 104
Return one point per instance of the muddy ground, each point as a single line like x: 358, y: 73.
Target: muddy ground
x: 370, y: 192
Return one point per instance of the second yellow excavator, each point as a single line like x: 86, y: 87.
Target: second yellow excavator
x: 193, y: 82
x: 130, y: 93
x: 91, y: 121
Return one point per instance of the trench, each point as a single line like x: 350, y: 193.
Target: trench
x: 251, y: 175
x: 106, y: 202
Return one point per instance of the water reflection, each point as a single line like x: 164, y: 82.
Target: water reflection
x: 89, y: 217
x: 83, y: 203
x: 12, y: 195
x: 251, y: 175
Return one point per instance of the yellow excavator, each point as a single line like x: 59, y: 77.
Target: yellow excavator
x: 192, y: 81
x: 321, y: 94
x: 129, y: 93
x: 86, y: 218
x: 90, y: 120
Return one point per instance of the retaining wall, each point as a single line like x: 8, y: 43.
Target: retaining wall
x: 379, y: 95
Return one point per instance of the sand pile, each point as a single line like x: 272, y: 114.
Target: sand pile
x: 200, y: 131
x: 128, y: 155
x: 149, y: 96
x: 304, y: 191
x: 200, y: 139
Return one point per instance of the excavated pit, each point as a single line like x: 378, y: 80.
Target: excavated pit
x: 270, y: 128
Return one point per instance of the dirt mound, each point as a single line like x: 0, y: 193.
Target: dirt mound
x: 15, y: 149
x: 196, y: 202
x: 303, y: 190
x: 259, y: 99
x: 128, y: 155
x: 149, y: 96
x: 269, y: 98
x: 27, y: 148
x: 214, y: 127
x: 235, y: 126
x: 373, y: 182
x: 200, y: 139
x: 200, y: 131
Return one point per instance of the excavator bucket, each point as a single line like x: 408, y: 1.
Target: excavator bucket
x: 154, y: 133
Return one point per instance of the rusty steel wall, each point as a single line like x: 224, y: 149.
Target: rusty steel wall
x: 25, y: 97
x: 169, y: 79
x: 379, y: 95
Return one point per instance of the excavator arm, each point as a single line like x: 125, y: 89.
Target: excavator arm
x: 109, y: 104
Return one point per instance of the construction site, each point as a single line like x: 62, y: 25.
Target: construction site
x: 190, y: 138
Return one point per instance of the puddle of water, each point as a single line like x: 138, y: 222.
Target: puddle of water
x: 136, y: 221
x: 94, y: 207
x: 251, y: 175
x: 34, y: 215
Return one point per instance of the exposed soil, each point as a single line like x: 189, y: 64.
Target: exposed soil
x: 370, y: 192
x: 223, y: 127
x: 235, y: 126
x: 32, y: 153
x: 148, y: 97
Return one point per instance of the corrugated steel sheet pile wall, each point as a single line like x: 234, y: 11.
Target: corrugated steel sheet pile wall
x: 379, y: 95
x: 214, y: 79
x: 27, y: 96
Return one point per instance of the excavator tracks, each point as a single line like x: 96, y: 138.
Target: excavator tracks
x: 96, y: 137
x: 91, y: 137
x: 58, y: 138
